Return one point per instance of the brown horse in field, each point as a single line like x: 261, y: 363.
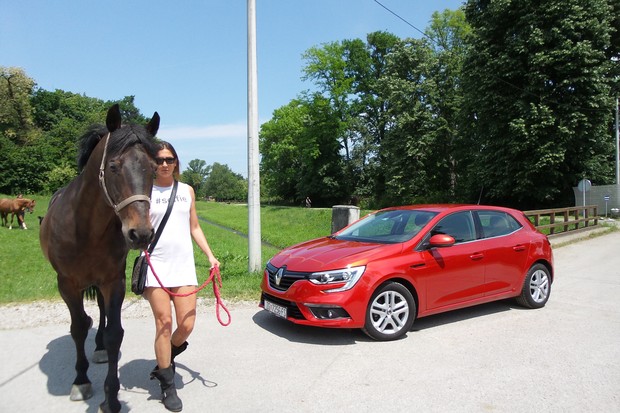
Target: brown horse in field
x: 17, y: 206
x: 88, y: 230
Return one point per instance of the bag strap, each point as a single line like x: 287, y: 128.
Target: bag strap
x: 160, y: 229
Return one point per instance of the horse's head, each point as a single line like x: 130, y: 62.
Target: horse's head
x: 126, y: 175
x: 26, y: 204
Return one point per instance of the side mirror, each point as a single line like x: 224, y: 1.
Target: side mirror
x: 441, y: 240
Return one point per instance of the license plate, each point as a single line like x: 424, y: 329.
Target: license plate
x: 275, y: 309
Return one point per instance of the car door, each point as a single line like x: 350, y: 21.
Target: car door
x: 454, y: 274
x: 506, y: 248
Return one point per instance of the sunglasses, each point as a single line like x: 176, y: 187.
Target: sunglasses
x: 169, y: 161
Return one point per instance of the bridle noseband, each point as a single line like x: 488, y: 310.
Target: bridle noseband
x: 125, y: 202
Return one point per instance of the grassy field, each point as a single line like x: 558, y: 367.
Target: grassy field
x: 27, y: 276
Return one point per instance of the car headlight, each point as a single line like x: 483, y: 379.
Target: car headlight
x: 349, y: 276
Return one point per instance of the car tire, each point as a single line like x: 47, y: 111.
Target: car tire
x: 536, y: 287
x: 390, y: 312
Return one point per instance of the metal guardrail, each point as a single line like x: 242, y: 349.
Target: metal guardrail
x: 562, y: 220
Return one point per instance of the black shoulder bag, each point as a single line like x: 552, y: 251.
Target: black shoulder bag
x: 140, y: 266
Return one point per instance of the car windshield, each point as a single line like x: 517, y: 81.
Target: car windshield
x: 387, y: 227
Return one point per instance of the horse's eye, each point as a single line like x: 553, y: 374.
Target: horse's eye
x: 115, y: 166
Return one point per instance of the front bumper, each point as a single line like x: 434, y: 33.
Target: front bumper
x: 309, y: 304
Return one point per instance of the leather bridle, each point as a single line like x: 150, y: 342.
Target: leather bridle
x: 126, y: 201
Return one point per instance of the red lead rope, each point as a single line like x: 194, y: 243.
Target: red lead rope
x: 214, y: 275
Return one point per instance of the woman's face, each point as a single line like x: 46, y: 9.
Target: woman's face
x: 166, y: 162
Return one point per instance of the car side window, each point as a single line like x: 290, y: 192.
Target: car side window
x: 496, y: 224
x: 459, y: 226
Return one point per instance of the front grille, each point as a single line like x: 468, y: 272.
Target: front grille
x: 288, y: 277
x: 292, y: 310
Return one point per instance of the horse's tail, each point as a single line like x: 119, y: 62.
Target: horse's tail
x: 90, y: 293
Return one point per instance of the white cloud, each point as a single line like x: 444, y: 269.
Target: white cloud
x: 232, y: 130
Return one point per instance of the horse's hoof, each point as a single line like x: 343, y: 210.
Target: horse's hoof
x: 100, y: 356
x: 81, y: 392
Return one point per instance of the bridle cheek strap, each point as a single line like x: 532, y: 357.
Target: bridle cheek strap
x: 125, y: 202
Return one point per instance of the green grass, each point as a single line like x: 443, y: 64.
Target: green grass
x: 27, y: 276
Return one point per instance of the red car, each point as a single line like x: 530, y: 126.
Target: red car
x: 398, y: 264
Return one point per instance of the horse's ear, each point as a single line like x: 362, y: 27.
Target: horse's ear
x: 113, y: 120
x: 153, y: 125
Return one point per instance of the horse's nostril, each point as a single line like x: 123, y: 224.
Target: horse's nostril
x: 140, y: 238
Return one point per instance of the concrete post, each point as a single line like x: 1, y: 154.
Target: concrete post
x: 343, y: 215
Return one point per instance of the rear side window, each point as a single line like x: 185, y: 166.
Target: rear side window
x: 496, y: 223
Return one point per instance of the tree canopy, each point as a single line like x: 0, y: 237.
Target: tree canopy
x: 39, y: 132
x: 504, y: 102
x: 538, y: 98
x: 507, y: 102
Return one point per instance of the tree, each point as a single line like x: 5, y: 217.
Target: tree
x: 225, y: 185
x: 537, y: 99
x: 195, y: 175
x: 411, y: 165
x: 347, y: 75
x: 448, y: 34
x: 370, y: 118
x: 300, y: 155
x: 15, y: 110
x: 280, y: 148
x: 59, y: 176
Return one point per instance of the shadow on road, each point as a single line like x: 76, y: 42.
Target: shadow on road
x: 306, y: 334
x: 468, y: 313
x: 58, y: 365
x: 338, y: 337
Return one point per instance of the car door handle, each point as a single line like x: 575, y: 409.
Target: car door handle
x: 519, y: 248
x: 476, y: 256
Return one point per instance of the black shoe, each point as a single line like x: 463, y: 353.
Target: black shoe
x: 168, y: 389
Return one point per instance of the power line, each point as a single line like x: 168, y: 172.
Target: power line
x: 401, y: 18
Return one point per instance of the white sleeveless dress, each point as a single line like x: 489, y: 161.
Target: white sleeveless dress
x: 173, y: 257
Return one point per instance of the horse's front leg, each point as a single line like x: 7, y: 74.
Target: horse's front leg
x: 21, y: 221
x: 100, y: 355
x: 80, y: 323
x: 112, y: 338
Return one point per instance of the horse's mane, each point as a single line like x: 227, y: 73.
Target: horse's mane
x: 120, y: 139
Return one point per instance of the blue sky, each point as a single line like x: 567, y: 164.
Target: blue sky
x: 187, y: 60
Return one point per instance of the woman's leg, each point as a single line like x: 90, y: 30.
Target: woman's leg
x: 162, y: 312
x: 185, y: 312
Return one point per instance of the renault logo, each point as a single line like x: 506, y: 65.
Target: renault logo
x: 279, y: 275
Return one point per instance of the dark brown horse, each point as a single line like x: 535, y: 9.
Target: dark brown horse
x: 15, y: 207
x: 88, y: 230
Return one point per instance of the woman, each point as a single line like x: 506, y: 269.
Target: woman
x: 173, y: 262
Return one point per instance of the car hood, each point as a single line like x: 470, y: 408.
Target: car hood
x: 328, y: 254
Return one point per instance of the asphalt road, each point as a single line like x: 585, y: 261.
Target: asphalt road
x: 491, y: 358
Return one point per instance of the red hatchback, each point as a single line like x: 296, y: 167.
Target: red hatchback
x: 398, y: 264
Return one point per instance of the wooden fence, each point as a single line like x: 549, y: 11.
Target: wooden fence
x: 559, y: 220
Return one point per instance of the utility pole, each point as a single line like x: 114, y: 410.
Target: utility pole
x: 254, y: 236
x: 617, y: 148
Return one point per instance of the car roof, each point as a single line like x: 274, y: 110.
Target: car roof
x: 447, y: 207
